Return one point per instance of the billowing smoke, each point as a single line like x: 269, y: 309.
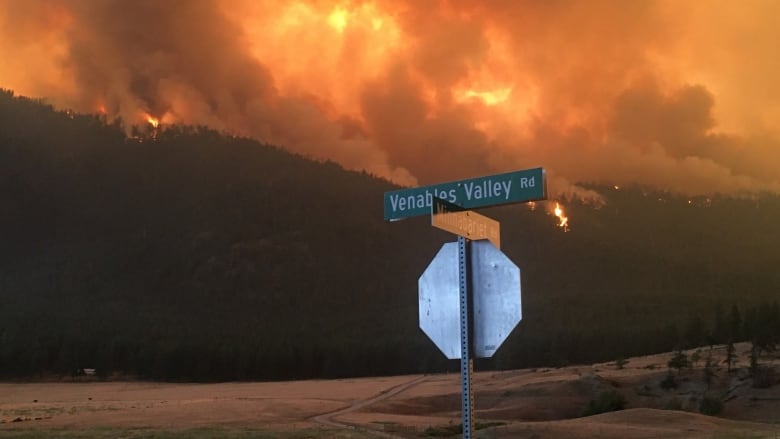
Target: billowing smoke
x: 680, y: 96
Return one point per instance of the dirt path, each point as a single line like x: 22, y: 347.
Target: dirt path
x: 329, y: 418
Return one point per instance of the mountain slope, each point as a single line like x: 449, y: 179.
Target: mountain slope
x: 189, y: 254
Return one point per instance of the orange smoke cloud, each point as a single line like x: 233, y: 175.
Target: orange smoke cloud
x: 679, y: 96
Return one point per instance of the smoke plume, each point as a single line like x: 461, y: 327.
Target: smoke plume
x: 681, y: 96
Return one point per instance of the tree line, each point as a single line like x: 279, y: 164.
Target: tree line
x: 198, y: 255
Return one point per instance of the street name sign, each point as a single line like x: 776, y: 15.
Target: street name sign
x: 465, y: 223
x: 492, y: 190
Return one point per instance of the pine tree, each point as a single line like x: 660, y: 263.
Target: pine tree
x: 763, y: 334
x: 735, y: 323
x: 720, y: 329
x: 678, y: 361
x: 730, y: 355
x: 695, y: 357
x: 709, y: 370
x: 754, y: 359
x: 694, y: 332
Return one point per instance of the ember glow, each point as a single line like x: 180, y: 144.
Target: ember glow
x: 681, y: 96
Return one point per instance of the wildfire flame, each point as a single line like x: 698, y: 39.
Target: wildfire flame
x: 153, y: 121
x: 563, y: 219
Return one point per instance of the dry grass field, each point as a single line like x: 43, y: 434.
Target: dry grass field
x: 532, y: 403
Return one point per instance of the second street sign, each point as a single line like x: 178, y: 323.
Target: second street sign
x: 465, y: 223
x: 511, y: 187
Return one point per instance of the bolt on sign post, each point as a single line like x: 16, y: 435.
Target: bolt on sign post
x: 469, y: 295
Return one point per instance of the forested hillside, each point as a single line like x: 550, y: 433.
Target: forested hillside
x: 187, y: 254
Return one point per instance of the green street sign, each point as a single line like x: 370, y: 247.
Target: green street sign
x: 492, y: 190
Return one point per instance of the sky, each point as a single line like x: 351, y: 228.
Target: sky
x: 675, y: 95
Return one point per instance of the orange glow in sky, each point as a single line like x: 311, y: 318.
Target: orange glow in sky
x: 681, y: 96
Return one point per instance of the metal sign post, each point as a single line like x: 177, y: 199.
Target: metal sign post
x: 466, y: 335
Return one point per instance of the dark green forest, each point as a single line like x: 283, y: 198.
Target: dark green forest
x: 189, y: 254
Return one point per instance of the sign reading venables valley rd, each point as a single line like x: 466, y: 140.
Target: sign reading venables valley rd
x: 511, y: 187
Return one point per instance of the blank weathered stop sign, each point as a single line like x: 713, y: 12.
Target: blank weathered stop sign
x: 497, y: 308
x: 440, y: 301
x: 496, y: 299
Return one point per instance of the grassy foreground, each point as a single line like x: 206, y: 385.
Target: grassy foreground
x: 193, y: 433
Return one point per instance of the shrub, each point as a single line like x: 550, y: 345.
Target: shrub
x: 673, y: 404
x: 457, y: 429
x: 710, y: 406
x: 608, y: 401
x: 445, y: 431
x: 763, y: 377
x: 669, y: 382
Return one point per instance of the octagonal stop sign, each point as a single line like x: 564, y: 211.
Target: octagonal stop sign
x: 497, y: 308
x: 439, y: 296
x: 495, y: 282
